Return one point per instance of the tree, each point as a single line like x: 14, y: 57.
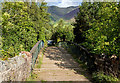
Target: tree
x: 23, y: 25
x: 63, y: 31
x: 102, y: 32
x: 82, y: 22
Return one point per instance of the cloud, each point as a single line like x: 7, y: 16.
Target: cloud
x: 63, y: 3
x: 52, y: 3
x: 67, y: 3
x: 63, y: 0
x: 56, y: 1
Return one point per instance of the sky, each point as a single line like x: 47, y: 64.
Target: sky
x: 63, y: 3
x: 67, y: 3
x: 59, y: 3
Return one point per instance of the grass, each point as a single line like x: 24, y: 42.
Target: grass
x: 39, y: 63
x: 31, y: 77
x: 44, y: 50
x: 43, y: 81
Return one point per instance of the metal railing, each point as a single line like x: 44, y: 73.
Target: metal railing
x: 35, y: 51
x: 80, y: 52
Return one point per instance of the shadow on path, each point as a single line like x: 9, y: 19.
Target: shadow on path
x: 66, y: 61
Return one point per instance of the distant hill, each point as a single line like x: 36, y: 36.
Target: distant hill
x: 71, y: 14
x: 65, y: 13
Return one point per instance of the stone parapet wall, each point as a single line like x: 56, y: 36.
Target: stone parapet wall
x: 17, y: 68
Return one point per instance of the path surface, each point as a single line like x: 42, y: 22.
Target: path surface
x: 58, y: 65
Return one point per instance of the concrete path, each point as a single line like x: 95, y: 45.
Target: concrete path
x: 58, y: 65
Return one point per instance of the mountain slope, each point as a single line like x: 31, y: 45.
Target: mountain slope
x: 71, y: 14
x: 65, y: 13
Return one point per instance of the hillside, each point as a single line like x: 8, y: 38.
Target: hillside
x: 71, y: 14
x: 65, y: 13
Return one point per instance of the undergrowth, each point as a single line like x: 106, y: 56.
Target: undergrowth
x: 100, y: 77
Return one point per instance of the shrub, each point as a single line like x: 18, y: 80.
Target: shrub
x: 100, y: 77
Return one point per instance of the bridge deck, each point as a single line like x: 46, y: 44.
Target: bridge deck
x: 58, y: 65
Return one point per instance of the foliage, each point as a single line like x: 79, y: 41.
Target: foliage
x: 63, y: 31
x: 22, y: 26
x: 101, y: 78
x: 81, y: 24
x: 97, y: 25
x: 0, y: 31
x: 40, y: 19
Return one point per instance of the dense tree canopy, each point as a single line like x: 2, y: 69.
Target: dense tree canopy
x: 98, y: 24
x: 22, y: 26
